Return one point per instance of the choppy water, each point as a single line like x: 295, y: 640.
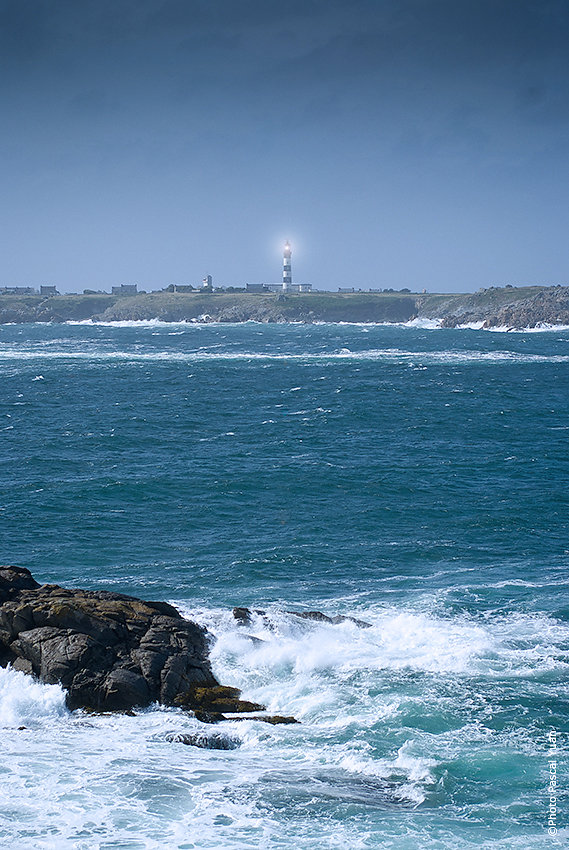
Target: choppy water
x: 416, y: 479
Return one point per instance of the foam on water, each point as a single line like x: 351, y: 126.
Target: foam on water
x: 124, y: 781
x: 423, y: 497
x: 420, y: 322
x: 96, y: 355
x: 23, y: 700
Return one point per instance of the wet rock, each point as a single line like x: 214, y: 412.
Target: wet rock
x: 216, y: 699
x: 23, y: 665
x: 125, y: 688
x: 14, y: 579
x: 340, y: 618
x: 112, y: 652
x: 273, y: 719
x: 319, y: 617
x: 109, y: 651
x: 214, y: 741
x: 209, y: 716
x: 243, y: 616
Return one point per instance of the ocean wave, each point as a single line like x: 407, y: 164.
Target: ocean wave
x: 24, y: 700
x: 94, y: 779
x: 135, y: 323
x: 100, y: 355
x: 418, y: 323
x: 394, y: 639
x: 541, y: 327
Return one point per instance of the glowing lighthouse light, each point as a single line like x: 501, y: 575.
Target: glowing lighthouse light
x: 287, y: 268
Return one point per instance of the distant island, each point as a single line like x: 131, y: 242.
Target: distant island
x: 511, y: 307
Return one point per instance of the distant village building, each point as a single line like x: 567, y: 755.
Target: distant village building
x: 207, y: 283
x: 125, y: 289
x: 18, y: 290
x: 278, y: 287
x: 346, y: 289
x: 48, y: 291
x: 287, y: 285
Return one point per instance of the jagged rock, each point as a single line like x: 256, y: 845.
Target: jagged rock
x: 14, y: 579
x: 311, y: 615
x: 209, y: 716
x: 273, y: 719
x: 108, y: 650
x: 112, y: 652
x: 242, y: 615
x: 341, y: 618
x: 217, y: 699
x: 213, y: 741
x: 318, y: 616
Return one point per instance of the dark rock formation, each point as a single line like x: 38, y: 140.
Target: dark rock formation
x: 509, y: 307
x: 319, y: 617
x: 214, y: 741
x: 13, y: 580
x: 244, y: 617
x: 548, y: 307
x: 109, y: 651
x: 273, y: 719
x: 215, y: 700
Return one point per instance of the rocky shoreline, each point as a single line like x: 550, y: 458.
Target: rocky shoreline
x: 511, y: 307
x: 112, y: 652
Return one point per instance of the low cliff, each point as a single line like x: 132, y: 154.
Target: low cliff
x: 515, y: 307
x: 547, y: 307
x: 212, y: 307
x: 497, y: 307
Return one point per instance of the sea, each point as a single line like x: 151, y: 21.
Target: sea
x: 413, y: 478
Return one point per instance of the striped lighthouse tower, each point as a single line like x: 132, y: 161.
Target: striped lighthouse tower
x: 287, y: 268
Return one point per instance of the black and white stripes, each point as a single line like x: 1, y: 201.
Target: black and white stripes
x: 287, y: 267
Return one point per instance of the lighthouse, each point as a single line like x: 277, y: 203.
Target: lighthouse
x: 287, y: 285
x: 287, y: 268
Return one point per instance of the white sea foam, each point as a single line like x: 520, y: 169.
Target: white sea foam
x: 419, y: 322
x: 132, y: 323
x: 436, y: 324
x: 101, y: 355
x: 23, y: 700
x: 293, y: 649
x: 88, y: 781
x: 424, y: 323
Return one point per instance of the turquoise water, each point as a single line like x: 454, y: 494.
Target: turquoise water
x: 414, y: 478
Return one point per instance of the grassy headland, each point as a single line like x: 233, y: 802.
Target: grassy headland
x: 516, y: 307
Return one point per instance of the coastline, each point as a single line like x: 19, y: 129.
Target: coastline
x: 495, y: 308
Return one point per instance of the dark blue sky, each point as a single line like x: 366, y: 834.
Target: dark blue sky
x: 419, y: 143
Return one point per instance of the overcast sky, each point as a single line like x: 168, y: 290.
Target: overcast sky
x: 396, y: 143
